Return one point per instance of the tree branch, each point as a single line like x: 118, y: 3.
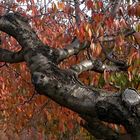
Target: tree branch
x: 76, y: 7
x: 11, y: 57
x: 94, y: 65
x: 98, y: 129
x: 85, y: 65
x: 16, y: 25
x: 74, y: 48
x: 63, y: 87
x: 111, y: 38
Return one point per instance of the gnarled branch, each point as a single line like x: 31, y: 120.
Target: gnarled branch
x: 63, y: 87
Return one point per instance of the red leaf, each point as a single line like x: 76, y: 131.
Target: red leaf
x: 100, y: 4
x: 90, y: 4
x: 109, y: 22
x: 70, y: 125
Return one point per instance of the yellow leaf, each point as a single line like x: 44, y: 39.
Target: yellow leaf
x: 87, y: 27
x: 90, y: 33
x: 54, y: 7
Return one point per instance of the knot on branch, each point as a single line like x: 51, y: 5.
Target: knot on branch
x: 130, y: 97
x: 39, y: 78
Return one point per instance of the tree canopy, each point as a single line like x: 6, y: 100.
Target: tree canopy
x: 66, y: 64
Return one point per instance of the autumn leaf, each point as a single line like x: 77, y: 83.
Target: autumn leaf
x: 106, y: 76
x: 54, y: 7
x: 120, y: 40
x: 61, y: 5
x: 90, y: 4
x: 138, y: 10
x: 137, y: 37
x: 100, y: 4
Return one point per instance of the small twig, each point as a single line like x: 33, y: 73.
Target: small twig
x: 2, y: 65
x: 35, y: 114
x: 17, y: 73
x: 117, y: 62
x: 30, y: 99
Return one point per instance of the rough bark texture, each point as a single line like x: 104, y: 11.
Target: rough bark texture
x: 63, y: 87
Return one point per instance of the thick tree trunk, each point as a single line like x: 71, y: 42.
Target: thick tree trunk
x: 63, y: 86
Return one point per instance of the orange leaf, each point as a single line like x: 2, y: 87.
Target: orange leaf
x: 137, y: 37
x: 90, y: 33
x: 138, y: 10
x: 61, y: 5
x: 120, y: 40
x: 96, y: 49
x: 101, y: 31
x: 123, y: 23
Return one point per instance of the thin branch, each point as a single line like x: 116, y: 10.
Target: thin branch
x: 111, y: 38
x: 121, y: 64
x: 85, y: 65
x: 17, y: 73
x: 115, y: 7
x: 76, y: 7
x: 95, y: 65
x: 29, y: 99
